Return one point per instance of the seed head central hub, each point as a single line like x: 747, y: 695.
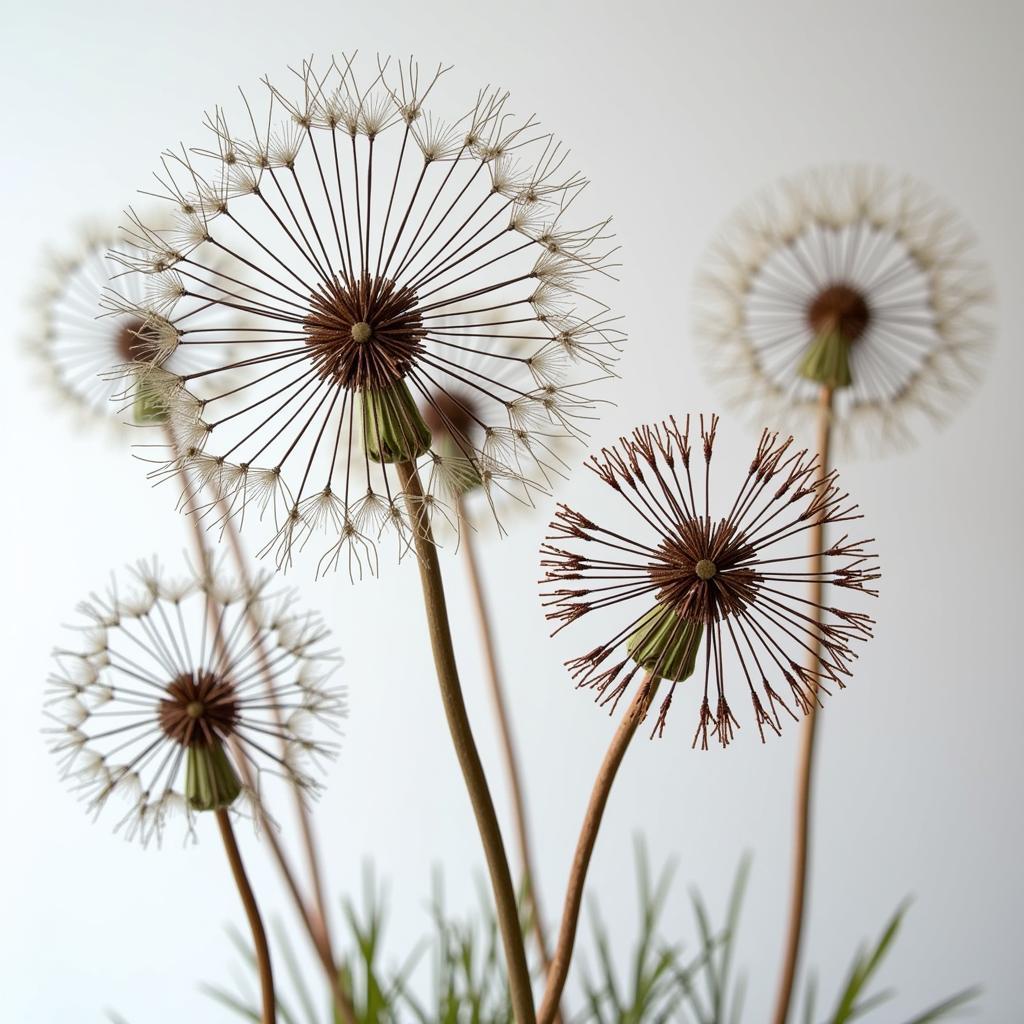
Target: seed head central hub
x: 841, y: 309
x: 366, y: 334
x: 705, y: 569
x: 199, y: 708
x: 687, y: 562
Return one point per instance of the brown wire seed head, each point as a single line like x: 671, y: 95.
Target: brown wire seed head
x: 376, y: 260
x: 180, y: 695
x: 735, y: 581
x: 851, y: 278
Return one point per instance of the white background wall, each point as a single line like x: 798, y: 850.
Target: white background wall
x: 677, y: 112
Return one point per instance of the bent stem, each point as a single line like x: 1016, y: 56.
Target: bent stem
x: 508, y: 745
x: 252, y: 912
x: 317, y: 930
x: 317, y: 915
x: 805, y: 764
x: 628, y: 725
x: 465, y: 748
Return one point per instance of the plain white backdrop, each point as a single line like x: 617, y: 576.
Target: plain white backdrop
x: 677, y: 112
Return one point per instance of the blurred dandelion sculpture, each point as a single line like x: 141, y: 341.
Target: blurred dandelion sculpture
x: 168, y: 702
x: 734, y: 582
x: 851, y: 279
x: 851, y: 300
x: 352, y: 224
x: 82, y: 330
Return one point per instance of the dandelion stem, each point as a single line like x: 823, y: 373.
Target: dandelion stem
x: 466, y: 751
x: 252, y: 912
x: 316, y: 928
x: 315, y: 919
x: 805, y: 767
x: 627, y: 728
x: 319, y: 922
x: 508, y: 744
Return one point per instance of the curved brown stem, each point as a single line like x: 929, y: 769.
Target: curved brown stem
x: 805, y: 766
x: 317, y: 916
x: 628, y: 725
x: 508, y: 745
x: 252, y: 912
x: 466, y: 751
x: 316, y: 930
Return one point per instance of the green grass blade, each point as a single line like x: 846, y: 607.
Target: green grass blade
x: 863, y: 969
x: 810, y: 998
x: 948, y: 1006
x: 728, y: 944
x: 233, y: 1003
x: 295, y: 974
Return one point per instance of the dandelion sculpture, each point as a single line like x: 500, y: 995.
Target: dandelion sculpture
x: 379, y: 262
x: 851, y: 301
x: 732, y: 581
x: 354, y: 228
x: 683, y: 579
x: 168, y: 702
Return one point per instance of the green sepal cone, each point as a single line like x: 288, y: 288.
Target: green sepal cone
x: 827, y: 361
x: 664, y: 643
x: 148, y: 409
x: 393, y: 429
x: 210, y: 778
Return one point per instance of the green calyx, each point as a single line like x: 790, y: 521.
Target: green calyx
x: 393, y: 429
x: 210, y: 778
x: 148, y: 409
x: 666, y: 644
x: 827, y: 361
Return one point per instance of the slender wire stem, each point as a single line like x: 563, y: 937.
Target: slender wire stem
x: 628, y: 725
x: 318, y: 913
x: 466, y: 751
x: 317, y: 932
x: 252, y: 912
x: 805, y: 765
x: 508, y: 744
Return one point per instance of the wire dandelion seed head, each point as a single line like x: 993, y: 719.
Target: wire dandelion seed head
x: 850, y: 278
x: 384, y: 265
x: 736, y: 585
x: 180, y: 695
